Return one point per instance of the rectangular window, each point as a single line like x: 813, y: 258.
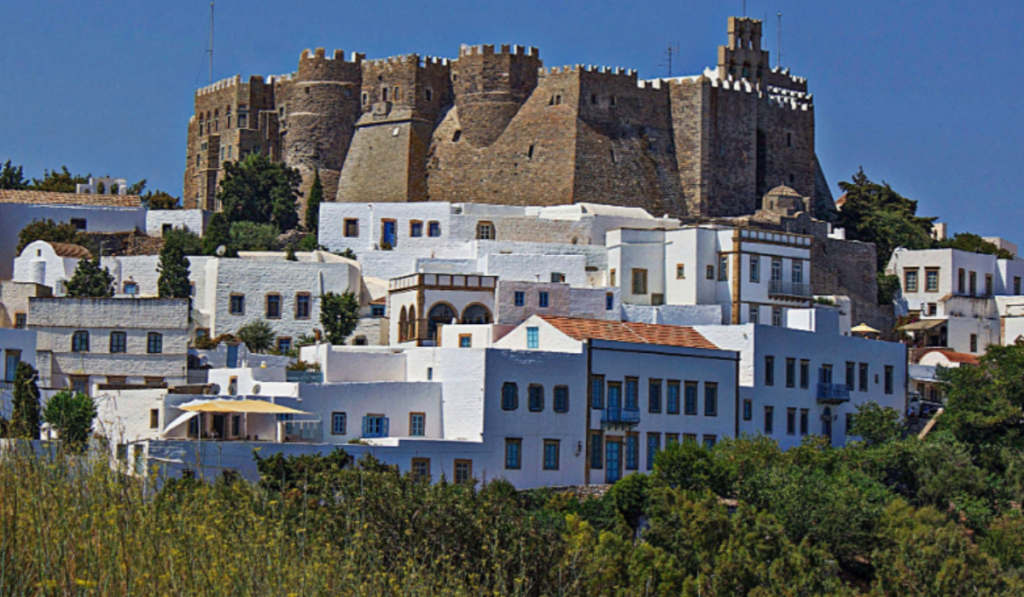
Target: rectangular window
x: 20, y: 321
x: 284, y: 344
x: 931, y: 279
x: 690, y: 437
x: 543, y: 299
x: 710, y: 273
x: 415, y: 228
x: 597, y: 392
x: 710, y: 399
x: 671, y: 439
x: 463, y: 470
x: 417, y: 424
x: 596, y: 451
x: 80, y: 341
x: 989, y: 288
x: 657, y: 298
x: 154, y: 343
x: 974, y: 342
x: 273, y: 306
x: 302, y: 303
x: 434, y: 230
x: 653, y: 447
x: 375, y: 426
x: 118, y: 342
x: 1016, y: 289
x: 351, y: 228
x: 933, y: 309
x: 798, y: 272
x: 609, y: 302
x: 560, y: 399
x: 632, y: 394
x: 557, y: 278
x: 748, y: 410
x: 889, y: 381
x: 690, y: 398
x: 611, y: 277
x: 769, y: 420
x: 961, y: 281
x: 709, y: 441
x: 154, y: 418
x: 777, y: 316
x: 513, y: 453
x: 805, y: 373
x: 421, y: 468
x: 519, y: 298
x: 672, y: 401
x: 465, y: 341
x: 680, y: 271
x: 632, y: 452
x: 535, y: 394
x: 11, y: 360
x: 790, y: 373
x: 790, y: 421
x: 79, y: 224
x: 851, y: 372
x: 509, y: 396
x: 237, y: 306
x: 654, y: 396
x: 551, y: 454
x: 338, y: 423
x: 378, y: 310
x: 776, y: 270
x: 755, y: 269
x: 848, y: 423
x: 863, y: 377
x: 754, y: 314
x: 769, y: 370
x: 974, y: 283
x: 910, y: 279
x: 533, y: 337
x: 723, y: 268
x: 804, y: 423
x: 485, y: 231
x: 639, y: 281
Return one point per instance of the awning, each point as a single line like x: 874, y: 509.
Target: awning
x: 181, y: 420
x: 241, y: 406
x: 865, y: 329
x: 923, y: 325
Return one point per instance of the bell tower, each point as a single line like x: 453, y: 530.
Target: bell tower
x: 743, y: 57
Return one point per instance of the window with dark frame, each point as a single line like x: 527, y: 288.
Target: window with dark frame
x: 302, y: 305
x: 154, y: 343
x: 118, y: 342
x: 273, y: 310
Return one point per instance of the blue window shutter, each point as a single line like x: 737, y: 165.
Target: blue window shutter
x: 385, y: 423
x: 366, y: 426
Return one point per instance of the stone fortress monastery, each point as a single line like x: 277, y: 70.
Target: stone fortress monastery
x: 496, y: 126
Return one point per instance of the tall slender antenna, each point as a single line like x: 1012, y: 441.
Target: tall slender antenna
x: 778, y: 57
x: 744, y: 7
x: 211, y: 42
x: 669, y: 51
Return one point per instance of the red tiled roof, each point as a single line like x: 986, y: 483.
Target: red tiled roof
x: 952, y: 356
x: 637, y: 333
x: 50, y: 198
x: 71, y: 250
x: 381, y: 300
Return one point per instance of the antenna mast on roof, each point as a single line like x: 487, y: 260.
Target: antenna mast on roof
x: 211, y: 42
x: 744, y: 8
x: 778, y: 57
x: 669, y: 52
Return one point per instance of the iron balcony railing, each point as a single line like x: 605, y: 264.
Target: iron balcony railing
x: 620, y: 416
x: 833, y: 393
x: 787, y: 288
x: 304, y: 376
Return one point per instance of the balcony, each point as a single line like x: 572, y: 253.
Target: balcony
x: 787, y: 288
x: 304, y: 376
x: 833, y: 393
x: 612, y: 418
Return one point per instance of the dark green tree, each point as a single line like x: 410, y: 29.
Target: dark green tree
x: 218, y: 234
x: 160, y: 200
x: 90, y: 280
x: 339, y: 315
x: 62, y: 181
x: 875, y: 424
x: 250, y: 236
x: 53, y: 232
x: 12, y: 178
x: 71, y: 414
x: 257, y: 336
x: 316, y: 196
x: 875, y: 213
x: 26, y: 410
x: 972, y: 243
x: 258, y: 190
x: 307, y: 244
x: 348, y: 253
x: 174, y: 264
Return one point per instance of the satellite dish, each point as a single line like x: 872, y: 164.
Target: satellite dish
x: 256, y: 389
x: 221, y: 250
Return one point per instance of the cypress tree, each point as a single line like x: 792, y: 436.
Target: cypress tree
x: 91, y: 281
x: 174, y: 269
x: 218, y: 234
x: 316, y: 196
x: 26, y: 413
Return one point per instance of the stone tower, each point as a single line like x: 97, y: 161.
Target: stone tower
x: 490, y: 87
x: 743, y: 57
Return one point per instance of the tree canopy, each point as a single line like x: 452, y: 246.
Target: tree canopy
x: 160, y: 200
x: 972, y: 243
x: 257, y: 335
x: 339, y: 315
x: 250, y: 236
x: 12, y: 177
x: 71, y: 414
x: 53, y: 232
x: 260, y: 191
x: 174, y: 265
x: 90, y: 280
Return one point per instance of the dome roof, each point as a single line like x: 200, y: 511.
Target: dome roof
x: 783, y: 191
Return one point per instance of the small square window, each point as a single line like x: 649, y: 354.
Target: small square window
x: 434, y: 229
x: 680, y: 271
x: 415, y: 228
x: 79, y: 223
x: 237, y: 306
x: 154, y: 343
x: 351, y: 228
x: 273, y: 306
x: 557, y: 278
x: 284, y: 344
x: 20, y: 321
x: 377, y: 310
x: 465, y: 341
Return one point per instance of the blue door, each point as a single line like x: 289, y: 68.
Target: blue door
x: 232, y: 356
x: 614, y: 398
x: 388, y: 234
x: 613, y: 461
x: 11, y: 366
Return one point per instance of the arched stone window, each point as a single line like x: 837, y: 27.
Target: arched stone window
x: 440, y: 314
x: 412, y: 331
x: 476, y: 314
x: 402, y: 323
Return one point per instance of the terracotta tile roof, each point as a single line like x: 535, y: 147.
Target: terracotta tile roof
x: 71, y: 250
x: 622, y: 331
x: 952, y: 356
x: 50, y: 198
x: 382, y: 300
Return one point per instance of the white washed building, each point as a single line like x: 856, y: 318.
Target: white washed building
x: 160, y: 221
x: 16, y: 346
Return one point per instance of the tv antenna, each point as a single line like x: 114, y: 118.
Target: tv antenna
x: 670, y: 51
x: 778, y: 57
x: 211, y: 42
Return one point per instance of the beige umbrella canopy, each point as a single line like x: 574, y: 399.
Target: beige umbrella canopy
x: 865, y: 329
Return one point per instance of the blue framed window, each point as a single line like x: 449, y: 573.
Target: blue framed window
x: 560, y: 400
x: 302, y: 303
x: 672, y: 400
x: 417, y: 424
x: 533, y: 337
x: 434, y: 229
x: 632, y: 394
x: 709, y: 441
x: 690, y: 398
x: 378, y: 310
x: 543, y: 299
x: 596, y: 451
x: 551, y: 450
x: 653, y: 447
x: 536, y: 398
x: 710, y: 400
x: 520, y: 298
x: 609, y: 302
x: 597, y: 392
x: 465, y: 341
x: 632, y: 452
x: 654, y: 396
x: 11, y: 360
x: 339, y: 423
x: 509, y: 396
x: 375, y: 426
x: 513, y: 453
x: 415, y: 228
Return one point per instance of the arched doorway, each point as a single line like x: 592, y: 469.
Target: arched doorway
x: 410, y: 330
x: 476, y: 314
x: 440, y: 314
x: 402, y: 323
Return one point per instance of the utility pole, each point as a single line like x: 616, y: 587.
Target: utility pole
x: 211, y: 42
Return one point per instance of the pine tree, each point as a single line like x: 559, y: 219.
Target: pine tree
x: 316, y: 196
x: 258, y: 190
x: 218, y: 234
x: 339, y: 314
x: 91, y: 280
x: 26, y: 414
x: 174, y: 269
x: 12, y: 177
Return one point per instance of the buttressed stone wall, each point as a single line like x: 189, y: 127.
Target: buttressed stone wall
x: 496, y: 126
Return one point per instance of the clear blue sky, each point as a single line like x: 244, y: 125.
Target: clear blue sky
x: 925, y: 95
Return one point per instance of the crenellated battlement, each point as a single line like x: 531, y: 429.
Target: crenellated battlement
x: 220, y: 86
x: 320, y: 54
x: 608, y: 71
x: 488, y: 50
